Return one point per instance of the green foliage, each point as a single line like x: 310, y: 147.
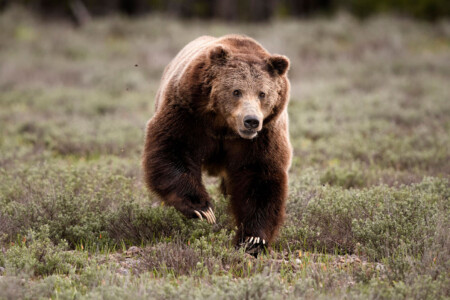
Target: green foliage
x: 372, y: 221
x: 405, y: 221
x: 72, y: 202
x: 344, y: 177
x: 37, y: 255
x: 136, y: 223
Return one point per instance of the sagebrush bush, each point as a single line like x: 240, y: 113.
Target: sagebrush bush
x: 37, y: 255
x: 347, y: 178
x: 405, y: 218
x: 136, y: 223
x: 374, y: 221
x: 72, y: 202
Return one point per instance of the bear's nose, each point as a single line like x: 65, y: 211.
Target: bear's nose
x: 251, y: 122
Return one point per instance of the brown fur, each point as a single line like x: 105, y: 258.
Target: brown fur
x: 198, y: 125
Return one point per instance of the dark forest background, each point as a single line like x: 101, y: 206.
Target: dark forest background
x: 233, y: 10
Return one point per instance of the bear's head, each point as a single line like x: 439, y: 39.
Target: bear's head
x: 248, y: 90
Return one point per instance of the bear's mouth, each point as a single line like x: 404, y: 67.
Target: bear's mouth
x: 248, y: 134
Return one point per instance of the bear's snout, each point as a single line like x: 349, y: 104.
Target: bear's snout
x: 251, y: 122
x: 248, y: 118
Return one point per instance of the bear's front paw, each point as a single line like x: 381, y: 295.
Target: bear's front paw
x: 208, y: 215
x: 253, y: 245
x: 254, y: 240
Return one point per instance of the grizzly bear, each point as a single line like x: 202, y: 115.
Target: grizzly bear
x: 222, y: 108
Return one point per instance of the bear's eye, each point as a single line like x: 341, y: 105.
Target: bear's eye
x: 262, y: 95
x: 237, y: 93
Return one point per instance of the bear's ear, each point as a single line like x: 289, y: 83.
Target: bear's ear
x: 278, y: 64
x: 218, y: 55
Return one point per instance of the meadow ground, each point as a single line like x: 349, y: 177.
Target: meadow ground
x: 368, y: 212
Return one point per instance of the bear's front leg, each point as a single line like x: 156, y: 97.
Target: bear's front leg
x: 172, y: 173
x: 258, y: 199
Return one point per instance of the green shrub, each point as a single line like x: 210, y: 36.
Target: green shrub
x: 347, y: 178
x: 136, y: 223
x: 37, y: 255
x: 373, y: 221
x: 421, y: 287
x: 404, y: 218
x: 72, y: 202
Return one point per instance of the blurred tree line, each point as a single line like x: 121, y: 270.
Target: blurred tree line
x: 234, y: 10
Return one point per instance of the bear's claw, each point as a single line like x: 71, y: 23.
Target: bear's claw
x: 213, y: 215
x: 254, y: 240
x: 253, y: 245
x: 199, y: 215
x: 209, y: 215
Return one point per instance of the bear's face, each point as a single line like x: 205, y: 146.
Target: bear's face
x: 247, y: 91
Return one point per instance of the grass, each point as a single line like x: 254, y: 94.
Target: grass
x: 368, y: 211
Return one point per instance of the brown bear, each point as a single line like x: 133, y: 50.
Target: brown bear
x: 222, y: 108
